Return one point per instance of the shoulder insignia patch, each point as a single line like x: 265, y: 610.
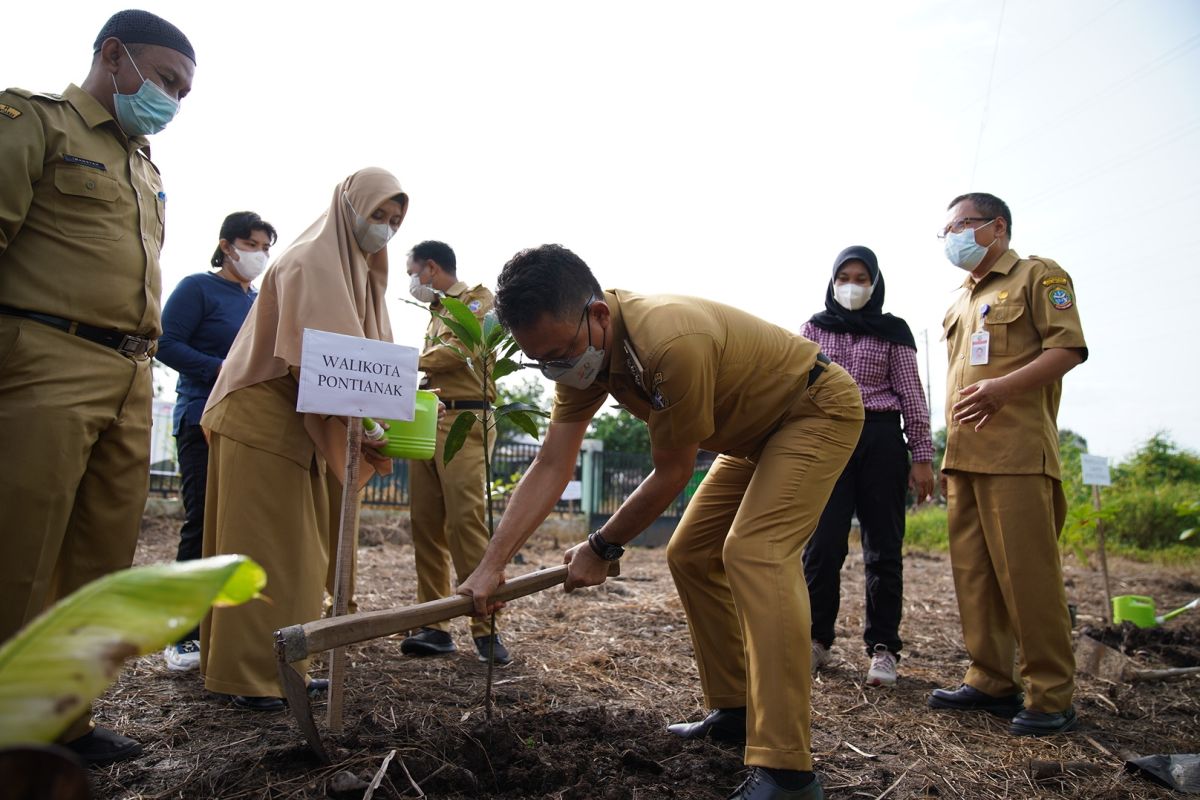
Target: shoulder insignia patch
x: 658, y: 401
x: 474, y: 305
x: 9, y: 111
x: 1053, y: 279
x: 1060, y: 298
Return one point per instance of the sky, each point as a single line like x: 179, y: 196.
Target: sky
x: 724, y: 150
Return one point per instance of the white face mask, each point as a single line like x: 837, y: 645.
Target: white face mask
x: 963, y: 251
x: 371, y: 236
x: 421, y: 292
x: 579, y: 372
x: 852, y: 296
x: 250, y: 264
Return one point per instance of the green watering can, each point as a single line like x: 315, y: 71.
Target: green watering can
x: 1139, y: 610
x: 416, y: 439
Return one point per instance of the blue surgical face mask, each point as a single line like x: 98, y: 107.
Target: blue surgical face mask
x: 963, y: 251
x: 147, y: 111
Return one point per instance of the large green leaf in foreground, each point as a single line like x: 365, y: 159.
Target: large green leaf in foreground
x: 69, y: 655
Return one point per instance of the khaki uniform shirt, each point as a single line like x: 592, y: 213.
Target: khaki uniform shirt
x: 444, y: 369
x: 81, y: 214
x: 263, y: 416
x: 696, y: 371
x: 1030, y: 308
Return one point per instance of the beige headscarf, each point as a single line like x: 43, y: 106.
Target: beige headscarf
x: 322, y: 281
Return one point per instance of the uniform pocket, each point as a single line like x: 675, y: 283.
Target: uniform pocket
x: 10, y: 333
x: 998, y: 325
x: 88, y: 203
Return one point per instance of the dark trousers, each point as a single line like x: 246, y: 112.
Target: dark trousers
x: 192, y: 449
x: 873, y: 488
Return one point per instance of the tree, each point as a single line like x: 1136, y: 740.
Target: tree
x: 1159, y: 461
x: 621, y: 432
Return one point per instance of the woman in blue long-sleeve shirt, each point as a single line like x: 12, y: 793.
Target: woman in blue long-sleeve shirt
x: 200, y: 321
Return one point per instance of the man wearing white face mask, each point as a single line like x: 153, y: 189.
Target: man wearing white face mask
x: 1012, y: 334
x: 447, y: 499
x: 879, y: 352
x: 200, y: 320
x: 82, y: 210
x: 701, y: 374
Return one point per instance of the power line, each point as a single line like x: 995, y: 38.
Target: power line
x: 987, y: 97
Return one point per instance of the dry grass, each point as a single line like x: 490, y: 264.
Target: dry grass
x: 599, y: 673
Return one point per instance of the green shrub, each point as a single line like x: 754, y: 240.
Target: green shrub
x: 925, y: 529
x: 1151, y: 516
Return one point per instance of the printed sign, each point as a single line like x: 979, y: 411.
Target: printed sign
x: 355, y: 377
x: 1095, y: 470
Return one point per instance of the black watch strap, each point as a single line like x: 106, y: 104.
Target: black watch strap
x: 604, y: 550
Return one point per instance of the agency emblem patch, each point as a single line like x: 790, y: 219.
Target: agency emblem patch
x: 1061, y: 298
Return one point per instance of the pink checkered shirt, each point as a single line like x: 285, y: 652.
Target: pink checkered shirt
x: 887, y: 376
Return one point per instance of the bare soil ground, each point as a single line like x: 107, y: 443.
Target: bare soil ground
x: 599, y: 673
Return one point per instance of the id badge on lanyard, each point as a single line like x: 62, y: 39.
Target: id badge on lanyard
x: 980, y: 340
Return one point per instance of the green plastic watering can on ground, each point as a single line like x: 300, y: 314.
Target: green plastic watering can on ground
x: 1139, y: 610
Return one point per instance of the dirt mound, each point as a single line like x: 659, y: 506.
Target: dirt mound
x: 1175, y: 644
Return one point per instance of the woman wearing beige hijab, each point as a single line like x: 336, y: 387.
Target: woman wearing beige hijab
x: 268, y: 463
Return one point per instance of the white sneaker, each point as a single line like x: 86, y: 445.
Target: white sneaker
x: 821, y: 655
x: 183, y: 657
x: 883, y: 667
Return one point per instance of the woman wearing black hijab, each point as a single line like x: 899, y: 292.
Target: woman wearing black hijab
x: 878, y: 350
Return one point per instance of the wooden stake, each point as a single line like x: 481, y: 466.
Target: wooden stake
x: 343, y: 576
x: 1103, y: 555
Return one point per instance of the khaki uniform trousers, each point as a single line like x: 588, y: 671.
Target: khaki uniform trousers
x: 447, y: 509
x: 1008, y: 577
x: 75, y: 428
x: 736, y: 560
x: 269, y: 508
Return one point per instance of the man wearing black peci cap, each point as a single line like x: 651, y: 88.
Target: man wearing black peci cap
x: 81, y: 226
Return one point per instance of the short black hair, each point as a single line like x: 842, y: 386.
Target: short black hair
x: 241, y: 225
x: 543, y: 280
x: 440, y: 252
x: 989, y: 206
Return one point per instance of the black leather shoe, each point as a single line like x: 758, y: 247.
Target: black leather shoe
x: 259, y: 703
x: 722, y: 725
x: 318, y: 686
x: 1040, y: 723
x: 103, y: 746
x: 488, y: 651
x: 968, y: 698
x: 428, y: 642
x: 759, y: 786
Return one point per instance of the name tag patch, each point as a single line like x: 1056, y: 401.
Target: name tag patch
x: 84, y: 162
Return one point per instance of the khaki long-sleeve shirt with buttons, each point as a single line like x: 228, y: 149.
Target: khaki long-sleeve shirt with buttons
x: 696, y: 371
x: 444, y: 368
x: 1031, y: 307
x: 81, y: 214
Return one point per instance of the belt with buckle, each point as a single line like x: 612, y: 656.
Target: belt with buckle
x: 818, y: 368
x: 464, y: 405
x: 124, y: 343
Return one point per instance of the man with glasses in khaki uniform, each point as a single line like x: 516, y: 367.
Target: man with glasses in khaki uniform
x: 702, y: 375
x: 81, y: 226
x: 1012, y: 335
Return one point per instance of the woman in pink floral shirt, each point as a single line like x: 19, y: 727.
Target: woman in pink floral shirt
x: 879, y: 351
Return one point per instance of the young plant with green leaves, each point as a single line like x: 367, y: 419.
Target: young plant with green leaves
x: 487, y: 349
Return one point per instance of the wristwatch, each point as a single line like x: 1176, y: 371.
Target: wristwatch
x: 604, y: 550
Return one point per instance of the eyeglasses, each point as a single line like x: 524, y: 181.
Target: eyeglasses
x: 959, y: 225
x: 557, y: 365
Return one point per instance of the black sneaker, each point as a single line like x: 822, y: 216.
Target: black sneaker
x: 428, y: 642
x: 490, y: 647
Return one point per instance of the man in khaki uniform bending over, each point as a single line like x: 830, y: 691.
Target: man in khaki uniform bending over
x: 448, y: 499
x: 701, y: 374
x: 81, y: 225
x: 1012, y: 335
